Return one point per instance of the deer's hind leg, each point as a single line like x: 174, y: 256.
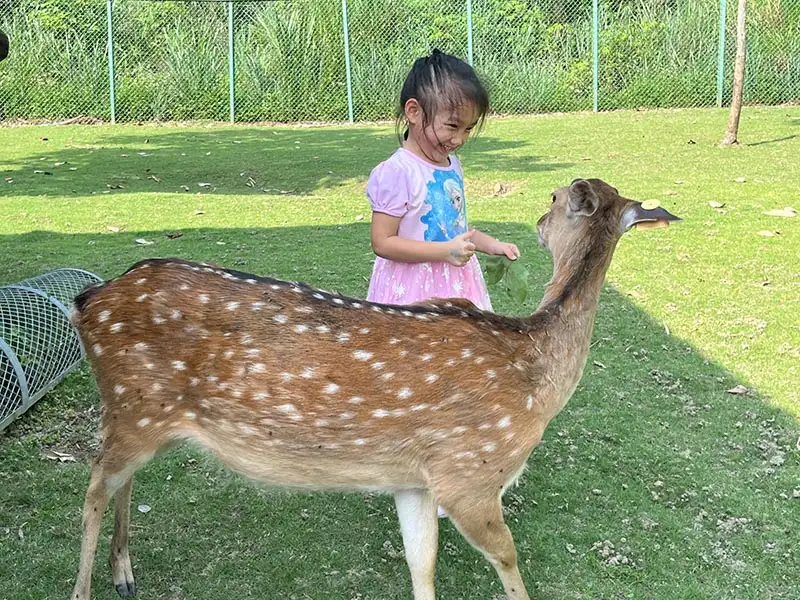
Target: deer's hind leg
x: 120, y: 559
x: 111, y: 476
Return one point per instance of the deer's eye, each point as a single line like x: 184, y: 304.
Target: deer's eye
x: 554, y: 197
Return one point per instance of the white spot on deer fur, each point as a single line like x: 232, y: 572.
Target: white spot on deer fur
x: 387, y: 376
x: 156, y: 387
x: 258, y: 368
x: 247, y: 339
x: 394, y: 341
x: 143, y: 422
x: 142, y: 298
x: 431, y: 377
x: 301, y: 328
x: 257, y: 305
x: 184, y: 287
x: 179, y: 365
x: 529, y: 403
x: 307, y: 373
x: 346, y: 415
x: 212, y: 379
x: 343, y: 337
x: 466, y: 353
x: 362, y: 355
x: 331, y: 388
x: 479, y: 360
x: 378, y: 365
x: 140, y: 346
x: 489, y: 447
x: 247, y: 429
x: 380, y: 413
x: 405, y: 393
x: 158, y: 319
x: 504, y: 422
x: 304, y: 309
x: 398, y: 412
x: 168, y: 408
x: 318, y: 296
x: 338, y: 301
x: 450, y: 362
x: 403, y: 353
x: 261, y: 395
x: 359, y: 305
x: 323, y: 328
x: 141, y: 281
x: 359, y: 442
x: 119, y: 389
x: 286, y: 377
x: 228, y: 354
x: 280, y: 318
x: 419, y: 407
x: 407, y: 313
x: 426, y: 357
x: 287, y: 408
x: 194, y: 381
x: 204, y: 299
x: 421, y: 316
x: 485, y: 426
x: 491, y: 373
x: 364, y: 330
x: 459, y: 430
x: 321, y: 422
x: 104, y: 316
x: 356, y: 400
x: 97, y: 349
x: 191, y: 415
x: 149, y: 366
x: 176, y: 314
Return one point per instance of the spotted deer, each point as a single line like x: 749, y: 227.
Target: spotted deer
x: 439, y: 403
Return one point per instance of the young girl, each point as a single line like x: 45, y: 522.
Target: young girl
x: 424, y: 246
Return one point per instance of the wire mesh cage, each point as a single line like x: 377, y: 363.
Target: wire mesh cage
x: 38, y: 344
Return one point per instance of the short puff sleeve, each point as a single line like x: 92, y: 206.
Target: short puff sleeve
x: 387, y: 189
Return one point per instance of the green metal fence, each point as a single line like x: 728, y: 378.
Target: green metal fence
x: 338, y: 60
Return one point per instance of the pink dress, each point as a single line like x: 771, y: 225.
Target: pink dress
x: 430, y: 201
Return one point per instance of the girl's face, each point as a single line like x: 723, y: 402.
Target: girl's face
x: 435, y: 139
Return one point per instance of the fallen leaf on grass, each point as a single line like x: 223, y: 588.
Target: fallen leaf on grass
x: 501, y: 189
x: 62, y: 457
x: 251, y: 182
x: 199, y: 212
x: 112, y: 228
x: 175, y: 235
x: 154, y: 178
x: 204, y: 185
x: 597, y: 363
x: 767, y: 233
x: 786, y: 211
x: 144, y: 508
x: 143, y: 242
x: 40, y: 172
x: 740, y: 179
x: 739, y: 390
x: 143, y: 153
x: 715, y: 204
x: 59, y: 164
x: 115, y: 186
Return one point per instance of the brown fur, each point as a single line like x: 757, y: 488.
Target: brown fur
x: 437, y: 403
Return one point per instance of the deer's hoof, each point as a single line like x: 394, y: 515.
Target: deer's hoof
x: 127, y: 589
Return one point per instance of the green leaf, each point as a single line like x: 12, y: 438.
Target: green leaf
x: 496, y: 267
x: 517, y: 282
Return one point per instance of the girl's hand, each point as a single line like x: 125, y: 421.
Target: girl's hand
x: 510, y: 251
x: 460, y: 249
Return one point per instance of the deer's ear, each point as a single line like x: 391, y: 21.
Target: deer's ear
x: 645, y: 218
x: 582, y: 199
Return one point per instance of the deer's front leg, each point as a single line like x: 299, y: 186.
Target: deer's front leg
x: 419, y: 525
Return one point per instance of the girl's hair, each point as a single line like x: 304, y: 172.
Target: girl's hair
x: 441, y: 82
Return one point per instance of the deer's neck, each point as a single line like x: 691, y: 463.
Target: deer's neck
x: 566, y: 314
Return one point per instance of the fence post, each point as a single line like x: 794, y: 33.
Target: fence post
x: 347, y: 61
x: 721, y: 52
x: 595, y: 55
x: 231, y: 65
x: 469, y: 32
x: 111, y: 84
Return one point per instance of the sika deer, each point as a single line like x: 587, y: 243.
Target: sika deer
x: 438, y: 403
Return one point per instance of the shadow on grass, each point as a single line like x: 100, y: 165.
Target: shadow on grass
x: 773, y: 141
x: 651, y: 461
x: 230, y: 160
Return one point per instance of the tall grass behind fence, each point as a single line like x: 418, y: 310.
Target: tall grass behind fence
x: 172, y: 59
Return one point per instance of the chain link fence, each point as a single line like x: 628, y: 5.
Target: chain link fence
x: 334, y: 60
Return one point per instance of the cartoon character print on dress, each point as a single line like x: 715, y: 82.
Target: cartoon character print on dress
x: 447, y: 216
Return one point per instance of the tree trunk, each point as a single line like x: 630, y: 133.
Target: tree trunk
x: 732, y: 129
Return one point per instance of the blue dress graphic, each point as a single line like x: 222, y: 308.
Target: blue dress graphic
x: 447, y: 217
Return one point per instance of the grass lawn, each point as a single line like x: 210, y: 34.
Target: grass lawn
x: 652, y: 460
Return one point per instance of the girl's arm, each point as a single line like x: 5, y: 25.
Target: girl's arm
x: 488, y: 245
x: 387, y: 244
